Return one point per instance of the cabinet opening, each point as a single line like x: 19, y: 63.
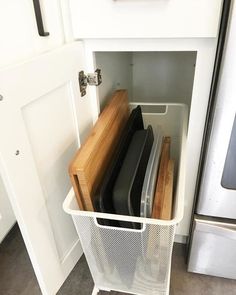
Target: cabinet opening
x: 153, y: 77
x: 148, y: 161
x: 154, y: 80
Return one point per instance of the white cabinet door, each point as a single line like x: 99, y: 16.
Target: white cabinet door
x: 7, y: 217
x: 42, y: 119
x: 18, y: 29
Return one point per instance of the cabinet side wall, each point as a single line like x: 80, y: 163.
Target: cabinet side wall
x: 116, y: 74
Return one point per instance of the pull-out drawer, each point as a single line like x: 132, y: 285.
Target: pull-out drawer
x: 213, y: 248
x: 145, y: 18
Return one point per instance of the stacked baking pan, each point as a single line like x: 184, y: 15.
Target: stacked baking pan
x: 128, y: 183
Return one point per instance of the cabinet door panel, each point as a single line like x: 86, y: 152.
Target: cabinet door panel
x: 18, y: 29
x: 41, y: 124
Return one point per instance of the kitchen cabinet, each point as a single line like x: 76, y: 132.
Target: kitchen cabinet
x: 42, y: 125
x: 20, y: 41
x: 18, y: 29
x: 145, y: 19
x: 180, y: 64
x: 168, y: 57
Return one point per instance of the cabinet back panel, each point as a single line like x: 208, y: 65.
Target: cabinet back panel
x: 158, y: 77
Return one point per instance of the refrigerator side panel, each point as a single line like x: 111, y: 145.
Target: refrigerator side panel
x: 214, y: 199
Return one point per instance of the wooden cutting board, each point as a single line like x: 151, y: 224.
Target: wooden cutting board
x: 162, y: 206
x: 91, y: 161
x: 166, y: 212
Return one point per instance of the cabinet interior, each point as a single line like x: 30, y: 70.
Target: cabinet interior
x: 160, y: 77
x: 151, y: 77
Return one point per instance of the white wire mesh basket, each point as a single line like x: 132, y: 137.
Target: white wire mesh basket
x: 136, y: 261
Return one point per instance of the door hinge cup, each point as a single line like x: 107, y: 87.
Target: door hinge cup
x: 92, y: 79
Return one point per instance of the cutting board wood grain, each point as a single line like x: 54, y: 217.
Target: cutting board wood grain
x: 92, y: 159
x: 166, y: 212
x: 162, y: 206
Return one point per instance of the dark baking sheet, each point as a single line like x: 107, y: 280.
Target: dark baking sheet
x: 103, y: 197
x: 128, y: 187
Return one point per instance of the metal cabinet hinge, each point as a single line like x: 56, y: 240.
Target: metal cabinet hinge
x: 93, y: 79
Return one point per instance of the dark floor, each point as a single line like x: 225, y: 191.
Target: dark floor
x: 16, y: 273
x: 17, y: 276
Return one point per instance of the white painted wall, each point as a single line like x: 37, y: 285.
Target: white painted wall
x: 116, y: 73
x: 7, y: 217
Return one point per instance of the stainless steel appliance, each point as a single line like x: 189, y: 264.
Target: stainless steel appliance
x: 213, y: 240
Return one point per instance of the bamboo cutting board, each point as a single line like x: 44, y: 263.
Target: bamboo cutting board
x: 91, y: 161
